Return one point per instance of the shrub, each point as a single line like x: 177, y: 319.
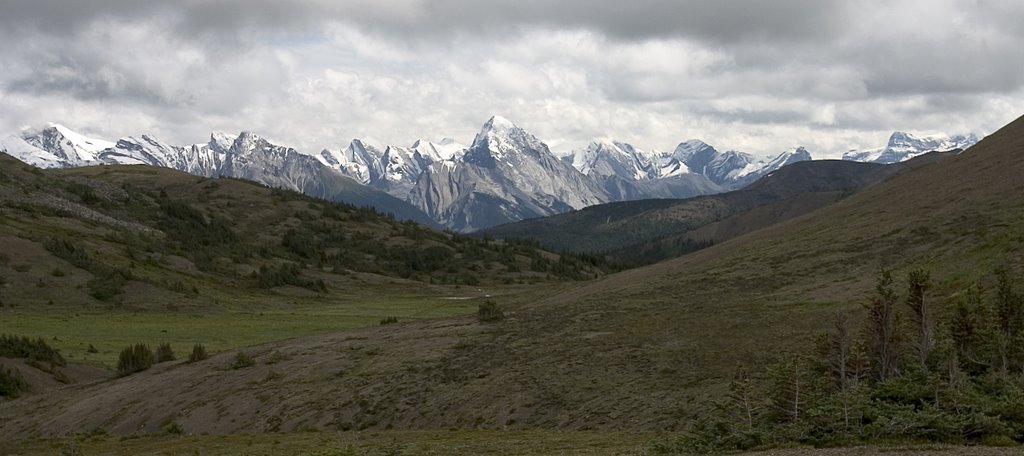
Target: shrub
x: 11, y: 383
x: 242, y: 360
x: 136, y: 358
x: 164, y: 353
x: 489, y: 312
x: 35, y: 350
x: 198, y: 353
x: 389, y: 321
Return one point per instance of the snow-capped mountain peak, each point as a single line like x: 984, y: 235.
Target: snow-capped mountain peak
x: 248, y: 142
x: 606, y: 157
x: 221, y: 142
x: 904, y: 146
x: 447, y: 149
x: 500, y: 139
x: 81, y: 141
x: 67, y: 145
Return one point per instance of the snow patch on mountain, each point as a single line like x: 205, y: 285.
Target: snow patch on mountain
x: 903, y: 146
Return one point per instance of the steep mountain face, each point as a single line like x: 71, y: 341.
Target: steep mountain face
x: 246, y: 156
x: 628, y: 173
x: 506, y: 175
x: 199, y: 159
x: 54, y: 147
x: 392, y: 169
x: 904, y: 146
x: 694, y: 168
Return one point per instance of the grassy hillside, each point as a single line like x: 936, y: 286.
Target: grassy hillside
x: 653, y: 230
x: 644, y: 349
x: 106, y: 255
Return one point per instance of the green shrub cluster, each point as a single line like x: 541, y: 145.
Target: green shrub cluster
x: 12, y: 383
x: 35, y: 350
x: 164, y: 353
x: 489, y: 312
x: 198, y: 353
x: 242, y: 360
x: 910, y: 374
x: 286, y: 274
x: 107, y: 281
x: 136, y: 358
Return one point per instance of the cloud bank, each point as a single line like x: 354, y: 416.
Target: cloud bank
x: 752, y: 75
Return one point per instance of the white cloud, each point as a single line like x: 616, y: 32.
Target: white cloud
x: 312, y: 74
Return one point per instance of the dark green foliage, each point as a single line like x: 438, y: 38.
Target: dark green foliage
x: 12, y: 383
x: 107, y: 281
x: 173, y: 428
x: 164, y: 352
x: 389, y: 321
x: 489, y: 312
x: 967, y: 389
x: 1010, y: 322
x: 192, y: 230
x: 198, y: 353
x: 286, y: 274
x: 881, y: 332
x: 35, y: 350
x: 242, y: 360
x: 301, y: 243
x: 919, y: 282
x: 70, y: 252
x: 85, y: 193
x: 136, y: 358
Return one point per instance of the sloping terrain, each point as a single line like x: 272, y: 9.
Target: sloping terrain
x: 652, y: 230
x: 181, y: 237
x: 641, y: 349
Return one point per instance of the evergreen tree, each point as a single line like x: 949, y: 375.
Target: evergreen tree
x: 919, y: 282
x: 1010, y: 314
x: 882, y: 325
x: 743, y: 398
x: 969, y: 330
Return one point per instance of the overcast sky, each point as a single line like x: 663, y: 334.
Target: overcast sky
x: 758, y: 76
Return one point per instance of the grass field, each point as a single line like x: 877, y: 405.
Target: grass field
x: 239, y: 325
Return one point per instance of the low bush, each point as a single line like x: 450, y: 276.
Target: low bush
x: 136, y: 358
x: 198, y: 353
x: 242, y: 360
x: 489, y: 312
x: 164, y: 352
x: 11, y: 383
x: 36, y: 350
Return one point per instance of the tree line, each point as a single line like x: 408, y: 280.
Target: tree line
x: 913, y: 370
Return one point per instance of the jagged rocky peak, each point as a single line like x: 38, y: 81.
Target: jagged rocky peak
x: 248, y: 142
x: 500, y: 139
x: 221, y: 142
x: 62, y: 142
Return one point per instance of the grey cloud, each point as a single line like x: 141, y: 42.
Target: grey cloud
x: 90, y: 80
x: 638, y: 19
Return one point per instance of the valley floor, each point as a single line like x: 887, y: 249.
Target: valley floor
x: 454, y: 442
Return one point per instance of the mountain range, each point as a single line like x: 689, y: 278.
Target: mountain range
x: 644, y: 231
x: 505, y: 175
x: 649, y: 349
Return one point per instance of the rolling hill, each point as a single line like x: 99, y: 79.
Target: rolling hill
x: 637, y: 350
x: 651, y: 230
